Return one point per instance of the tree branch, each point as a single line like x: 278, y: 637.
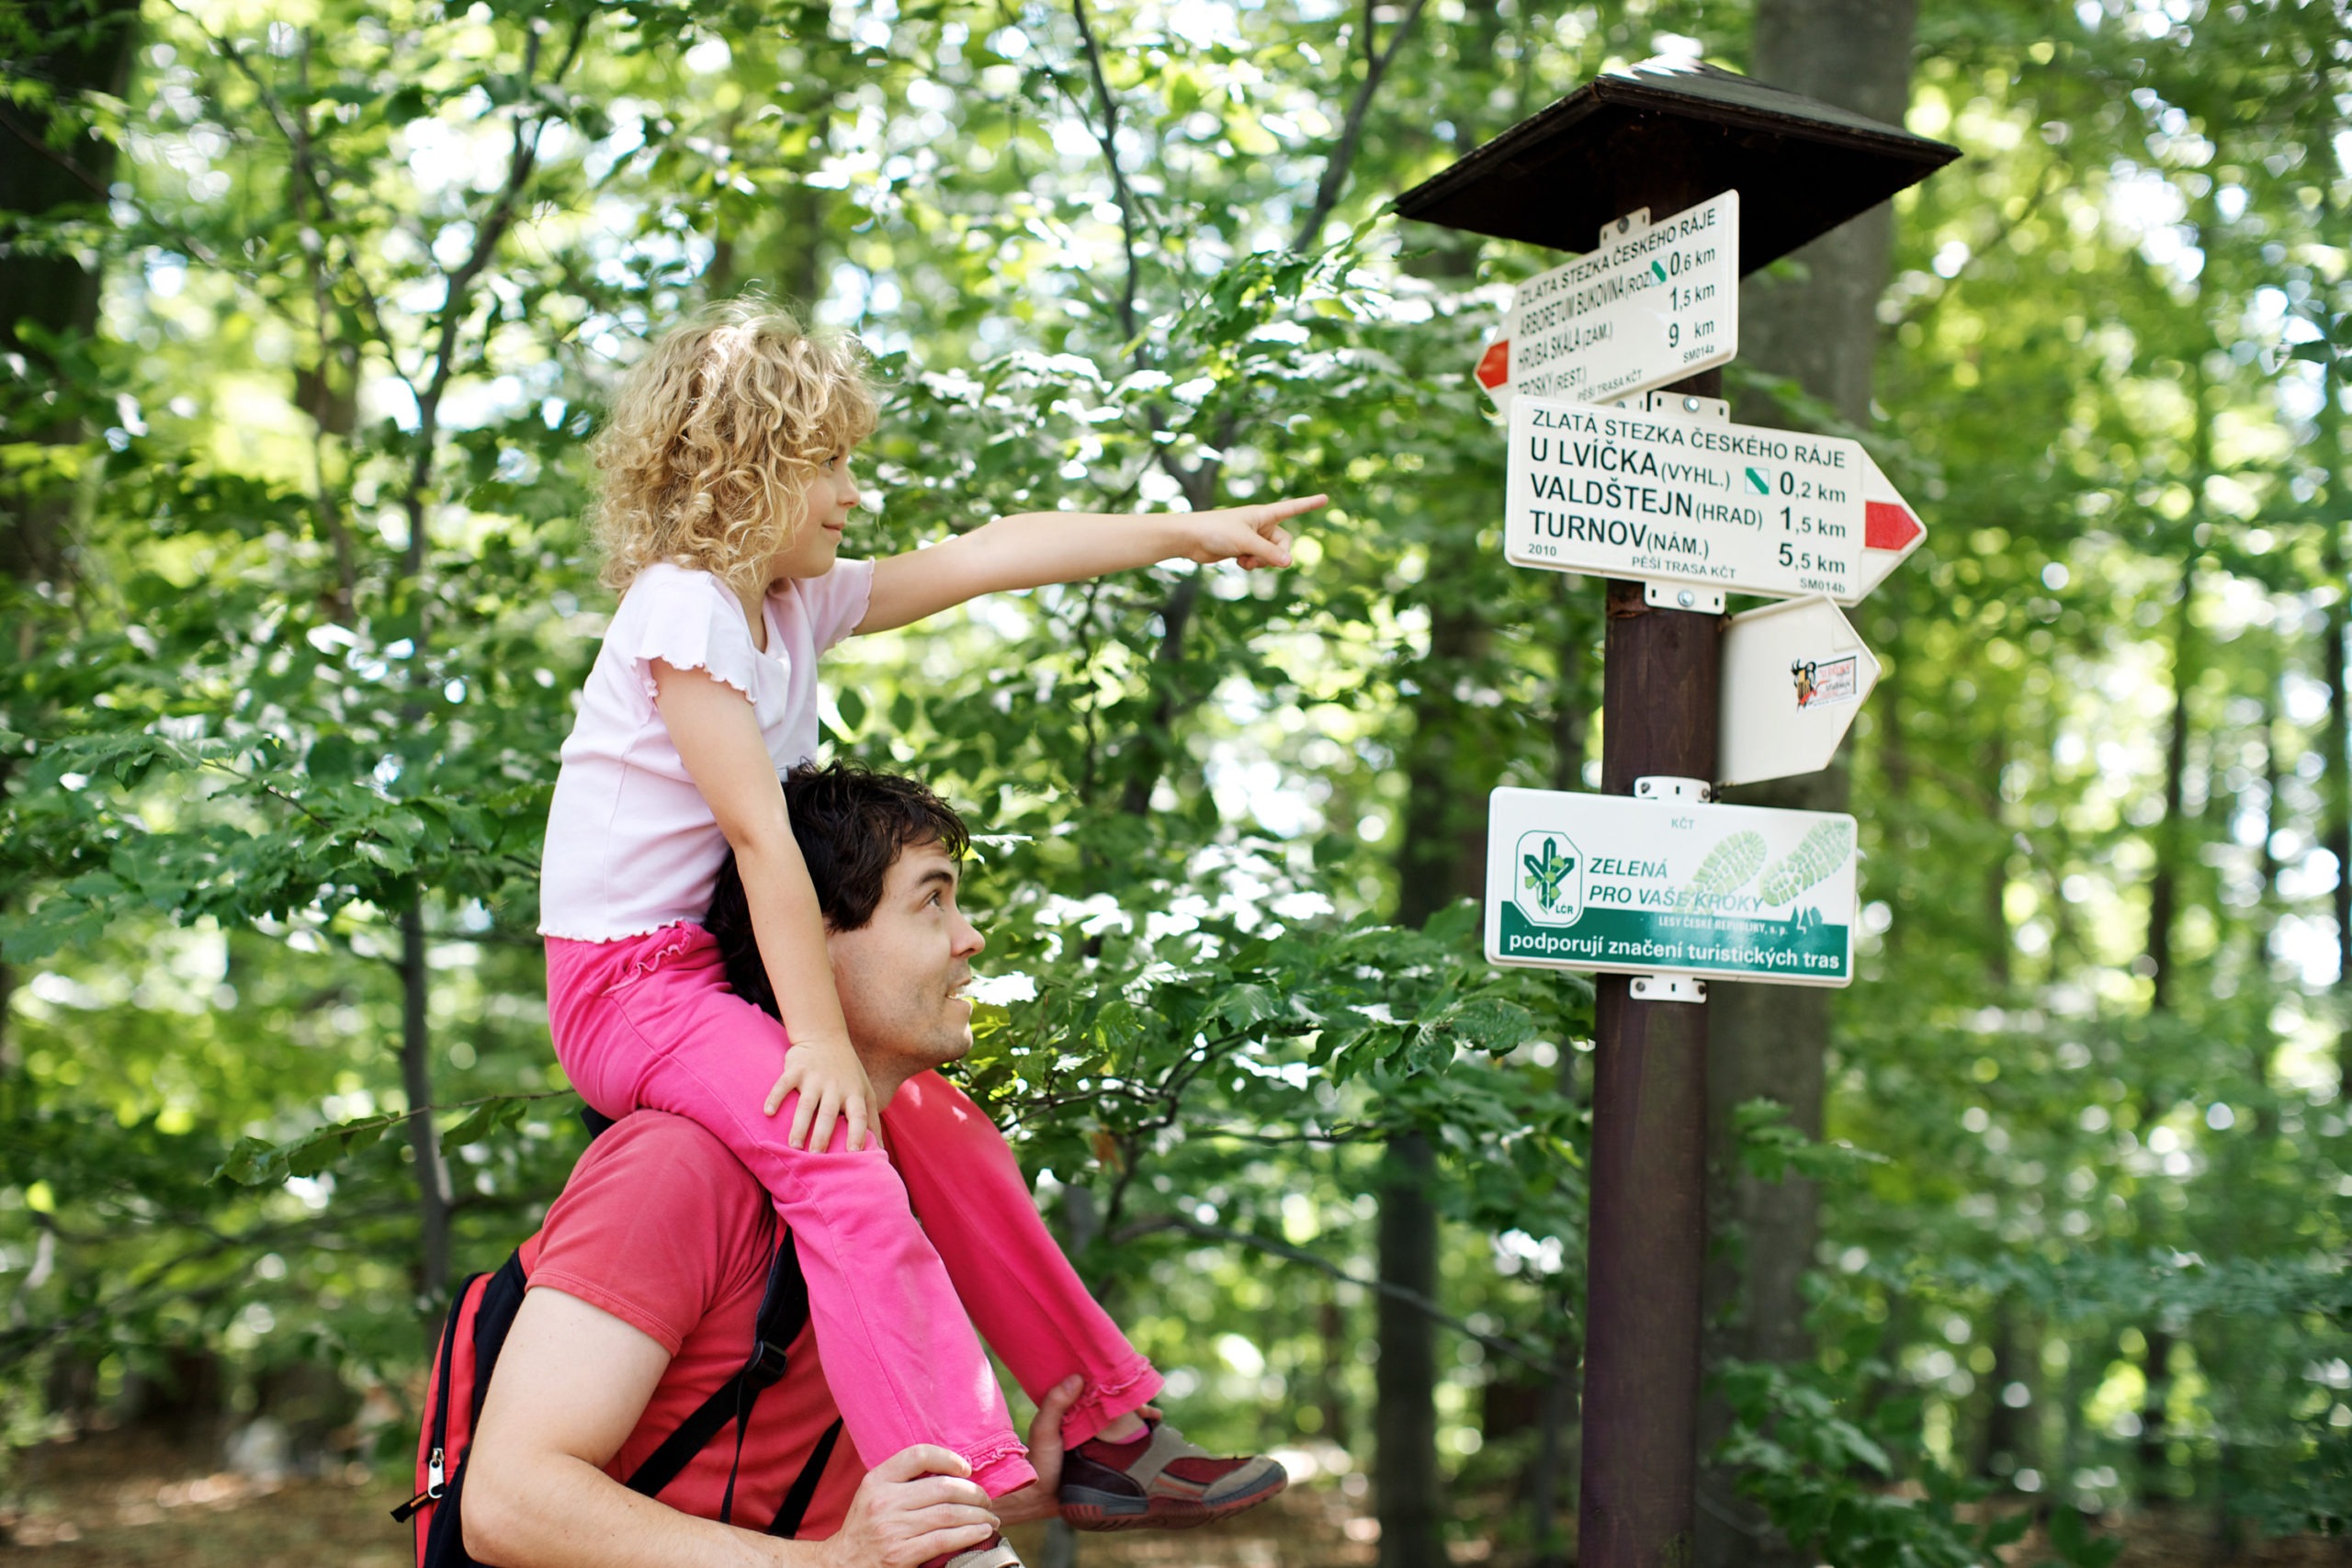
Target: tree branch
x: 96, y: 186
x: 1526, y: 1356
x: 306, y: 171
x: 1107, y: 138
x: 1343, y: 152
x: 522, y: 161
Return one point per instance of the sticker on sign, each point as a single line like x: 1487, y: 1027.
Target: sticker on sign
x: 1794, y: 675
x: 1655, y: 302
x: 1612, y: 884
x: 1666, y: 498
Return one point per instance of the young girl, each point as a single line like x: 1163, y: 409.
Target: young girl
x: 727, y: 493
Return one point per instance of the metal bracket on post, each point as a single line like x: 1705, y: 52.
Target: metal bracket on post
x: 1682, y: 596
x: 1663, y: 787
x: 1670, y: 988
x: 1690, y: 404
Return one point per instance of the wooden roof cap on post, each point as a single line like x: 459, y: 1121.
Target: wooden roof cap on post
x: 1668, y: 134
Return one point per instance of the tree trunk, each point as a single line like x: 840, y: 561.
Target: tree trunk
x: 1771, y: 1041
x: 1441, y: 859
x: 53, y: 293
x: 1405, y: 1476
x: 2173, y: 856
x: 424, y: 1138
x: 2334, y: 626
x: 2163, y: 882
x: 2004, y: 1428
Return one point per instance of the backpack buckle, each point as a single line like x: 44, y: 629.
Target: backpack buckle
x: 771, y: 1361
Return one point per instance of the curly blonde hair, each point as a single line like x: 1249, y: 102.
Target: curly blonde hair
x: 716, y: 437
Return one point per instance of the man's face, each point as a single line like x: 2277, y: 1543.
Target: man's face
x: 902, y: 974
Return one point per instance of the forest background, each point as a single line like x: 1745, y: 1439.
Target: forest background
x: 309, y: 310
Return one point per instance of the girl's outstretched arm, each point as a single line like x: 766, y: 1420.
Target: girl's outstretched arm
x: 1030, y: 549
x: 718, y: 740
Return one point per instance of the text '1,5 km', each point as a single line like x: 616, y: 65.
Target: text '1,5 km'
x: 1662, y: 498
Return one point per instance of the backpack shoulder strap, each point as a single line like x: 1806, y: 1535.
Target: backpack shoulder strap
x: 783, y: 1313
x: 794, y: 1508
x: 443, y: 1543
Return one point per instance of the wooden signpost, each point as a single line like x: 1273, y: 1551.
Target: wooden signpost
x: 1667, y: 139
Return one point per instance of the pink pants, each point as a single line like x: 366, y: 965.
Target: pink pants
x: 647, y: 1022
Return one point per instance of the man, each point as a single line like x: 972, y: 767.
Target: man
x: 649, y: 1269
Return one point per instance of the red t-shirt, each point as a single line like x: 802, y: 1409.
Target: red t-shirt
x: 664, y: 1229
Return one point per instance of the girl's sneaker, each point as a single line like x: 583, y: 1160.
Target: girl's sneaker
x: 1160, y: 1482
x: 990, y: 1553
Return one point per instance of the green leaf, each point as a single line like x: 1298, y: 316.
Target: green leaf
x: 251, y: 1162
x: 491, y: 1116
x: 1489, y: 1024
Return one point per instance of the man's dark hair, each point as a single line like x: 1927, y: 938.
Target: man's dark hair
x: 852, y: 823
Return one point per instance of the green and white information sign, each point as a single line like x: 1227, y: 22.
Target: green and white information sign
x: 1614, y: 884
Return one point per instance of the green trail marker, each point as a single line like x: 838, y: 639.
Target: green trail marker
x: 1608, y: 884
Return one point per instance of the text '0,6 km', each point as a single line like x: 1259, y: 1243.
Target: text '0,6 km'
x: 1662, y: 498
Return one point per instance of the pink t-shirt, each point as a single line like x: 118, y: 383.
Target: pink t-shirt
x: 631, y: 844
x: 665, y: 1230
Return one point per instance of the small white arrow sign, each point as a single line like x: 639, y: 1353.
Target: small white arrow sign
x: 1664, y: 497
x: 1651, y: 304
x: 1795, y: 674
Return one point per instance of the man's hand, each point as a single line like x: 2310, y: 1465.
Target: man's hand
x: 833, y: 1086
x: 912, y: 1507
x: 1039, y: 1500
x: 1253, y: 535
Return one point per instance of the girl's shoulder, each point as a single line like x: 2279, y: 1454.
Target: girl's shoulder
x: 687, y: 619
x: 664, y: 592
x: 665, y: 581
x: 828, y: 607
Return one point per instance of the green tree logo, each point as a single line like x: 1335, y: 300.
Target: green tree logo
x: 1550, y: 887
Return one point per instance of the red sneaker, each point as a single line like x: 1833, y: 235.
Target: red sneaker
x: 1160, y: 1482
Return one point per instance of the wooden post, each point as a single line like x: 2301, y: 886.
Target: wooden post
x: 1647, y: 1245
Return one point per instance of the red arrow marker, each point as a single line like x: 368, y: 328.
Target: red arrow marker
x: 1494, y: 366
x: 1889, y: 526
x: 1891, y: 530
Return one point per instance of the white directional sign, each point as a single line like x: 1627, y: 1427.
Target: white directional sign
x: 1668, y: 498
x: 1653, y: 303
x: 1794, y: 675
x: 1610, y: 884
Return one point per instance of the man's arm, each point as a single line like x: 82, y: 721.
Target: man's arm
x: 1030, y: 549
x: 536, y: 1495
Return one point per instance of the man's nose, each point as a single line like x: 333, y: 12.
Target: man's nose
x: 969, y: 940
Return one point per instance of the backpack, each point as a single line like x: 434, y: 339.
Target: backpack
x: 474, y: 1333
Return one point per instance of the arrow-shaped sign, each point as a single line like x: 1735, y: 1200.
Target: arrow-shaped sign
x: 1652, y: 303
x: 1795, y: 674
x: 1665, y: 498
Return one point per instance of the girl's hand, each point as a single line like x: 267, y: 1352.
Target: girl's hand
x: 832, y: 1086
x: 1253, y: 535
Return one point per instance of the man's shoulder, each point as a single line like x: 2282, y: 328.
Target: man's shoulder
x: 653, y: 1160
x: 659, y: 1227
